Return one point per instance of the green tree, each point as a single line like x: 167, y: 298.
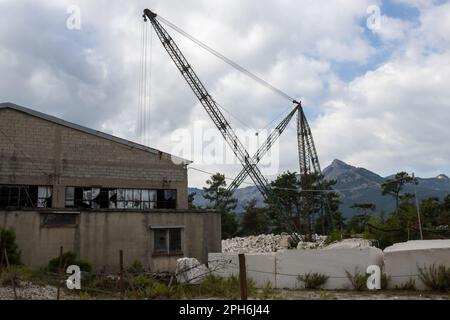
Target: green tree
x: 255, y: 220
x: 8, y: 242
x: 191, y: 197
x: 221, y: 199
x: 394, y: 187
x: 286, y: 190
x: 358, y: 222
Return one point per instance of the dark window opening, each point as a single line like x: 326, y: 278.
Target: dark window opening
x: 140, y: 199
x: 175, y: 240
x: 167, y: 241
x: 13, y: 196
x: 58, y: 219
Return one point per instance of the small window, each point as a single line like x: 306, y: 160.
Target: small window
x: 167, y: 241
x: 160, y: 240
x: 175, y: 240
x: 70, y: 197
x: 59, y: 219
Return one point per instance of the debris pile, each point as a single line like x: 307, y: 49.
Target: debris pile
x: 267, y: 243
x: 190, y: 270
x: 350, y: 243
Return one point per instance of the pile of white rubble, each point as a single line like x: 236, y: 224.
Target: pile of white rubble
x: 268, y: 243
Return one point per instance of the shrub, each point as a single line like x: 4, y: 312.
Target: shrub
x: 357, y: 280
x: 136, y: 267
x: 313, y: 280
x: 435, y: 278
x: 336, y: 235
x: 8, y: 241
x: 68, y: 258
x: 385, y: 280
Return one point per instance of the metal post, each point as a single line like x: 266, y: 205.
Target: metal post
x: 417, y: 206
x: 242, y: 276
x: 59, y: 272
x: 121, y: 274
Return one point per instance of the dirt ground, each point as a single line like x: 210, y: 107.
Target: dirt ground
x: 30, y: 291
x: 357, y: 295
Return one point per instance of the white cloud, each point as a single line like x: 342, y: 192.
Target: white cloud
x: 90, y: 76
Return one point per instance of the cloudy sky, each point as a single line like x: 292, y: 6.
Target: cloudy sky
x: 377, y: 94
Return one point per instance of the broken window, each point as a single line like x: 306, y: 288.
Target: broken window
x: 112, y: 196
x: 167, y: 199
x: 167, y: 240
x: 94, y: 198
x: 44, y: 197
x: 148, y: 199
x: 14, y: 196
x: 79, y: 197
x: 70, y: 197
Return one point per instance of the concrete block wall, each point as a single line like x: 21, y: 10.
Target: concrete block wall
x: 98, y: 236
x: 41, y: 152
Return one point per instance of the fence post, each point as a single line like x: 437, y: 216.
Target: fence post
x: 13, y: 277
x: 2, y: 249
x: 59, y: 272
x: 121, y: 274
x: 242, y: 276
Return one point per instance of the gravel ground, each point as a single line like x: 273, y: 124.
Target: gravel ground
x: 29, y: 291
x: 353, y: 295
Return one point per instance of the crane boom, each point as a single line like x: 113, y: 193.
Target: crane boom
x: 264, y: 148
x: 211, y: 107
x: 208, y: 103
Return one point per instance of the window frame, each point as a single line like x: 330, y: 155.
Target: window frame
x: 168, y: 231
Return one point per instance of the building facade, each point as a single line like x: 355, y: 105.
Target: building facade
x: 62, y: 184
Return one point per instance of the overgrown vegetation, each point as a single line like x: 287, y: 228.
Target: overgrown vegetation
x: 313, y: 280
x: 357, y: 280
x: 435, y: 277
x: 68, y: 258
x: 8, y: 242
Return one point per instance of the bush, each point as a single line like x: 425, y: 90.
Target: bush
x: 435, y: 278
x: 68, y: 258
x: 8, y: 241
x: 313, y: 280
x: 385, y: 280
x: 336, y: 235
x: 136, y: 267
x: 358, y: 280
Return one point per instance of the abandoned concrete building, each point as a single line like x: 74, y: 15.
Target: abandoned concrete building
x: 62, y: 184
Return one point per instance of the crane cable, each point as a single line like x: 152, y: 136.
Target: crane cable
x: 145, y: 83
x: 228, y: 61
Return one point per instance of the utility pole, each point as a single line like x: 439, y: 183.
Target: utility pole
x: 417, y: 205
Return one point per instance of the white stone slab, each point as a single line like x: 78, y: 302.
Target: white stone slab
x: 401, y: 260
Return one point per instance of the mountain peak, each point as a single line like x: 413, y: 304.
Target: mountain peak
x: 339, y: 164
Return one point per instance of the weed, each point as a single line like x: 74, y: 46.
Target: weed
x: 358, y: 280
x: 435, y: 278
x: 313, y: 280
